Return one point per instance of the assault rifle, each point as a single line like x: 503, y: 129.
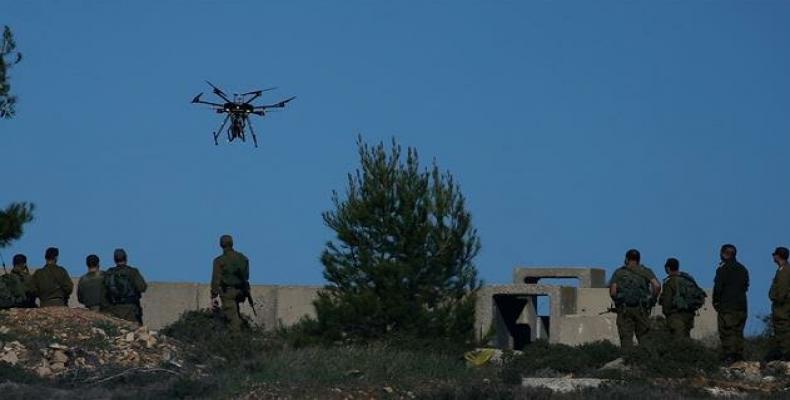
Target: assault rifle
x: 611, y: 309
x: 248, y: 297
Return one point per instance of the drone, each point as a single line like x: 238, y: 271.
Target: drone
x: 238, y: 112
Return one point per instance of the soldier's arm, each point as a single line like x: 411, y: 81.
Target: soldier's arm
x: 246, y: 269
x: 139, y: 282
x: 717, y: 287
x: 215, y: 278
x: 66, y: 282
x: 655, y: 287
x: 782, y: 288
x: 79, y: 291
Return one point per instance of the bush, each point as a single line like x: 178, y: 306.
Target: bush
x: 541, y: 356
x: 663, y: 355
x: 212, y: 342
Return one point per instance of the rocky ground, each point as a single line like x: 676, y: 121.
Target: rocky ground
x: 58, y: 341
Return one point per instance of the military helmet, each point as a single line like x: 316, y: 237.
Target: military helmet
x: 633, y: 255
x: 119, y: 255
x: 51, y: 253
x: 226, y: 241
x: 19, y: 259
x: 782, y: 252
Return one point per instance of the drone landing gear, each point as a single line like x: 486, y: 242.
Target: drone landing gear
x: 254, y: 138
x: 219, y: 131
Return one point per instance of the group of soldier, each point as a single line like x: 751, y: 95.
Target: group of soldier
x: 118, y: 290
x: 635, y: 291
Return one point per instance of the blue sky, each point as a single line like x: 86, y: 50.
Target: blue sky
x: 576, y: 129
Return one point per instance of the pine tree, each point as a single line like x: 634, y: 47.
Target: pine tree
x: 402, y: 260
x: 8, y: 58
x: 12, y: 221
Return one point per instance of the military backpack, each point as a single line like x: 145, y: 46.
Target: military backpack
x: 232, y: 274
x: 119, y: 286
x: 688, y: 295
x: 12, y: 291
x: 633, y: 289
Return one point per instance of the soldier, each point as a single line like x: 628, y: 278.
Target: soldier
x: 123, y: 286
x: 729, y: 300
x: 680, y: 298
x: 15, y: 288
x: 90, y: 289
x: 780, y: 305
x: 230, y: 281
x: 634, y: 289
x: 52, y: 284
x: 22, y: 274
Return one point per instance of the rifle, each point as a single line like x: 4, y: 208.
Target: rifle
x: 248, y: 297
x: 611, y: 309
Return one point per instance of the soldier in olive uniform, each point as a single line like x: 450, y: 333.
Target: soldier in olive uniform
x: 679, y: 321
x: 634, y: 289
x: 52, y: 284
x: 780, y: 305
x: 230, y: 281
x: 123, y: 288
x: 90, y: 289
x: 22, y: 274
x: 729, y: 300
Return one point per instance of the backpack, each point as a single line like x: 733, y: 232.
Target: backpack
x: 12, y: 291
x: 633, y: 289
x: 232, y: 274
x: 688, y: 295
x: 119, y: 285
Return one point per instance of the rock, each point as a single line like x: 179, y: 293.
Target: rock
x: 779, y: 367
x: 99, y: 331
x: 43, y: 372
x: 10, y: 357
x: 56, y: 346
x: 388, y: 389
x: 57, y: 367
x: 721, y: 392
x: 4, y: 330
x: 744, y: 370
x: 59, y: 356
x: 616, y: 365
x: 562, y: 385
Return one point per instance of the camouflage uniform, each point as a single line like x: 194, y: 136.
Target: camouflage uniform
x: 90, y: 290
x: 231, y: 296
x: 679, y: 322
x: 129, y: 308
x: 52, y: 285
x: 780, y: 309
x: 23, y: 275
x: 729, y: 300
x: 632, y: 318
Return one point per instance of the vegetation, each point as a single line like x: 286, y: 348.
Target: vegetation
x: 9, y: 57
x: 13, y: 220
x: 402, y: 261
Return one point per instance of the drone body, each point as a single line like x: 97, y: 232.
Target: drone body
x: 238, y: 112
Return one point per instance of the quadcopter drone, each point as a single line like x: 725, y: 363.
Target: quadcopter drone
x: 238, y: 112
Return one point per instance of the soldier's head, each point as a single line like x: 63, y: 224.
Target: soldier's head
x: 780, y: 255
x: 226, y: 242
x: 632, y: 257
x: 728, y: 252
x: 119, y: 255
x: 92, y: 261
x: 51, y: 255
x: 20, y: 260
x: 672, y: 265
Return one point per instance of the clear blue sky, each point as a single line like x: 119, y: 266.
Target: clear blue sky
x: 576, y: 129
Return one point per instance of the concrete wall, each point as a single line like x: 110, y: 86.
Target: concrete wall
x: 164, y: 302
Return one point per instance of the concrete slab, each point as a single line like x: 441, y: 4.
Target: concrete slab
x: 588, y: 277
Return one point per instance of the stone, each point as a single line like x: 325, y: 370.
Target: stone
x: 10, y: 357
x: 4, y: 330
x: 616, y: 365
x: 563, y: 385
x: 745, y: 370
x: 57, y: 346
x: 43, y: 372
x: 59, y: 356
x: 57, y: 367
x: 388, y: 389
x: 99, y: 331
x: 129, y: 337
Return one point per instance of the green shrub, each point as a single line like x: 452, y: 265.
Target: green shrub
x: 561, y: 358
x: 17, y: 374
x: 663, y: 355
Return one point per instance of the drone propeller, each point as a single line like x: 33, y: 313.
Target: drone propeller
x: 276, y: 105
x: 197, y: 100
x: 219, y: 92
x: 258, y: 92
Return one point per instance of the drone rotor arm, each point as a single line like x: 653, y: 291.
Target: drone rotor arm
x: 280, y: 104
x: 219, y: 92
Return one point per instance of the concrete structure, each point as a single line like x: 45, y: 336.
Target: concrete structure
x: 276, y: 306
x: 508, y: 315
